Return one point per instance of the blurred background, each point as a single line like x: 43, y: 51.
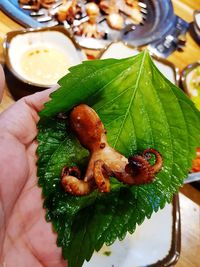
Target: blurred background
x: 36, y: 32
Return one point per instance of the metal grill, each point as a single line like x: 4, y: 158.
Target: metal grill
x: 47, y: 17
x: 159, y: 26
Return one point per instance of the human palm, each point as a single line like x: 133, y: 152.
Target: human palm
x: 27, y: 240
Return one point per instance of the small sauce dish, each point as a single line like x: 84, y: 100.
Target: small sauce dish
x: 40, y: 57
x: 190, y: 79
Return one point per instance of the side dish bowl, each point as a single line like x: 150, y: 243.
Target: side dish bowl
x: 190, y: 80
x: 38, y: 58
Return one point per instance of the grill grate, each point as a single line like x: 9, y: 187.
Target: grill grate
x: 47, y: 17
x: 159, y: 26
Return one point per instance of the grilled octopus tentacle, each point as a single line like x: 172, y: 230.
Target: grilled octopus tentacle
x: 137, y: 171
x: 158, y: 159
x: 101, y: 176
x: 70, y: 179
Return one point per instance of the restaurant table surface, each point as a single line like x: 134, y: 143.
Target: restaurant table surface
x: 189, y: 198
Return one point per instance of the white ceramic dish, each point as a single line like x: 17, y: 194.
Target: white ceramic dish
x: 156, y: 242
x: 56, y: 42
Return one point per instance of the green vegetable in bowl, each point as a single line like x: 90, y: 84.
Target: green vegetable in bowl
x: 140, y: 109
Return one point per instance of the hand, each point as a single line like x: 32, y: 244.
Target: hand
x: 26, y: 239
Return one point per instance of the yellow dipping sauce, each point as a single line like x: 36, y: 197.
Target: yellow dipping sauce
x: 44, y: 65
x: 193, y: 85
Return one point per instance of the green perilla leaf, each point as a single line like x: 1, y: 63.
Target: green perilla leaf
x: 140, y: 109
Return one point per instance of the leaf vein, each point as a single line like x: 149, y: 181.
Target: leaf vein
x: 131, y: 100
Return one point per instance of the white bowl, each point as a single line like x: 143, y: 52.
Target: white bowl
x: 40, y: 57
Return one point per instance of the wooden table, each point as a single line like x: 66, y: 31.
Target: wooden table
x: 190, y: 211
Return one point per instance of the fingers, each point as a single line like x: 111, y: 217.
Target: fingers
x: 20, y: 119
x: 37, y: 100
x: 2, y: 82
